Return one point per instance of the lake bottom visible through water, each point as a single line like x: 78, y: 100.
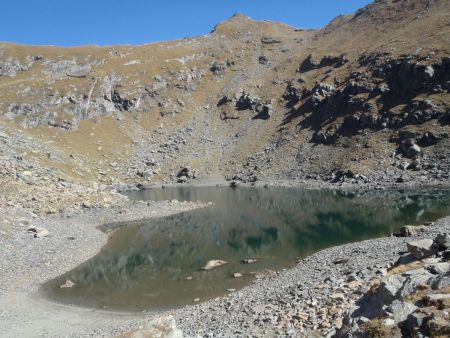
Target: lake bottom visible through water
x: 156, y: 264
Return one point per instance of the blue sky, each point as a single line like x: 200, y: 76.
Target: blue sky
x: 103, y: 22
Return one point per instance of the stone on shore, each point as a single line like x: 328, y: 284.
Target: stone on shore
x: 443, y: 241
x: 422, y: 248
x: 41, y: 233
x: 164, y: 327
x: 410, y: 230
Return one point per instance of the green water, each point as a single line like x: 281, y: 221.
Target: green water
x: 157, y: 264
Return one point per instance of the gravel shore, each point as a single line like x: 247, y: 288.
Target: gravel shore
x: 27, y: 261
x: 294, y: 302
x: 278, y: 304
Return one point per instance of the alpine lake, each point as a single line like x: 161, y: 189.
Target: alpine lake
x: 157, y: 264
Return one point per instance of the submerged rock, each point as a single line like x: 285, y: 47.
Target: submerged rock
x: 68, y: 284
x: 212, y: 264
x: 248, y: 260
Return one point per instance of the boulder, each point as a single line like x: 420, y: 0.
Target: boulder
x: 438, y: 297
x: 264, y: 110
x: 56, y: 156
x: 400, y: 310
x: 438, y: 268
x: 158, y: 328
x: 341, y: 260
x: 410, y: 230
x: 41, y: 233
x: 443, y: 241
x: 413, y: 281
x: 414, y: 165
x: 437, y: 325
x: 414, y: 323
x: 263, y: 60
x: 234, y: 184
x: 403, y: 165
x: 441, y: 281
x: 182, y: 179
x: 321, y: 137
x: 413, y: 151
x: 249, y: 260
x: 383, y: 295
x: 188, y: 172
x: 428, y: 139
x: 212, y: 264
x: 321, y: 92
x: 422, y: 248
x: 67, y: 285
x: 218, y: 67
x: 86, y: 205
x: 247, y: 101
x: 389, y: 288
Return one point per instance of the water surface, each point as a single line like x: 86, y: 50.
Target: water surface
x: 157, y: 264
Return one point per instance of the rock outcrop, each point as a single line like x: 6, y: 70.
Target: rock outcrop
x: 412, y: 300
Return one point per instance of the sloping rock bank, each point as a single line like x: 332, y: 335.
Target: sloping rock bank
x: 412, y: 300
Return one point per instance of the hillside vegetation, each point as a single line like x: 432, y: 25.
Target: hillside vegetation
x: 363, y: 100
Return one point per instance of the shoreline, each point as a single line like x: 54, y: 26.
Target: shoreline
x: 19, y: 286
x: 284, y: 183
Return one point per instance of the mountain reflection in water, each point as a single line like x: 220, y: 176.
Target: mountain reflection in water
x: 145, y: 266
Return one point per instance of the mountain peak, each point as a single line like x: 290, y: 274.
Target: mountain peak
x: 234, y: 24
x: 240, y: 24
x: 239, y: 16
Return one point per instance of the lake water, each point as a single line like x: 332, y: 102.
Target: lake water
x: 157, y: 264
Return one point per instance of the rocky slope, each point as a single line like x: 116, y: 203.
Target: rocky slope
x: 411, y: 300
x: 363, y: 100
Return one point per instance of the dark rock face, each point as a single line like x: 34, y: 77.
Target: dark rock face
x: 311, y: 62
x: 185, y: 174
x: 123, y: 103
x: 246, y: 101
x: 321, y: 137
x: 445, y: 119
x: 219, y: 67
x: 263, y: 60
x: 263, y: 108
x: 380, y: 97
